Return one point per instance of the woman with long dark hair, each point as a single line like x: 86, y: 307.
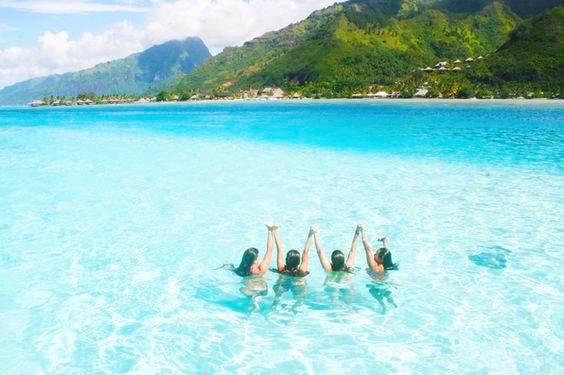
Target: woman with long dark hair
x: 382, y: 259
x: 292, y: 272
x: 292, y: 265
x: 249, y: 263
x: 338, y: 263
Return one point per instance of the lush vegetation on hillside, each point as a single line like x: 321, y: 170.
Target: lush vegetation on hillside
x: 515, y: 65
x: 528, y: 8
x: 529, y: 65
x: 361, y: 43
x: 157, y: 68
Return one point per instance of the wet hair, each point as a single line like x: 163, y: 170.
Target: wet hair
x: 292, y: 261
x: 386, y: 259
x: 249, y: 257
x: 338, y: 261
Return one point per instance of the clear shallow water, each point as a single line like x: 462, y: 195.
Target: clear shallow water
x: 113, y: 219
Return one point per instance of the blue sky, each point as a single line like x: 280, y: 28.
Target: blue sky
x: 42, y: 37
x: 21, y: 28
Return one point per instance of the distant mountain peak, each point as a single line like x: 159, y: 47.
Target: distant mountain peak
x: 159, y: 62
x: 158, y: 67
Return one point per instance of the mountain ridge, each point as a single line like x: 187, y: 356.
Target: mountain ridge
x: 358, y: 42
x: 513, y: 63
x: 158, y: 67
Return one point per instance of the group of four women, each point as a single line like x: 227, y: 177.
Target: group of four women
x: 297, y: 266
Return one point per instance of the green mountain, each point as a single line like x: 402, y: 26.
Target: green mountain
x: 159, y: 67
x: 515, y: 65
x: 528, y: 8
x: 523, y: 8
x: 362, y: 42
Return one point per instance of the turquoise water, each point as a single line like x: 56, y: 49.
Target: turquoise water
x: 114, y: 220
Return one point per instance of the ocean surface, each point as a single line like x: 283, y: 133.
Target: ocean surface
x: 115, y: 223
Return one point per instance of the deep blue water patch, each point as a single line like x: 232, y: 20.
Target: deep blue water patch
x: 494, y: 257
x: 498, y: 133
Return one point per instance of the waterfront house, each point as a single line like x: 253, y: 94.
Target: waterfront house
x: 277, y: 93
x: 422, y: 92
x: 469, y: 60
x: 457, y: 61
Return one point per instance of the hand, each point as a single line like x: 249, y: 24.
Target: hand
x: 359, y: 228
x: 269, y: 226
x: 275, y: 227
x: 383, y: 239
x: 313, y: 228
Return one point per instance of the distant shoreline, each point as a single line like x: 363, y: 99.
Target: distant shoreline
x: 534, y: 101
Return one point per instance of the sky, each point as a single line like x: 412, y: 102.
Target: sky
x: 43, y: 37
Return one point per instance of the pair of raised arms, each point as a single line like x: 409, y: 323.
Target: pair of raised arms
x: 273, y: 237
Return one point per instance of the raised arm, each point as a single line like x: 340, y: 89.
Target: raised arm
x: 368, y: 249
x: 351, y: 259
x: 279, y: 251
x: 384, y: 241
x: 263, y: 266
x: 320, y: 253
x: 305, y: 255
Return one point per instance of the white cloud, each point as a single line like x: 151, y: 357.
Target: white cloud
x: 4, y: 27
x: 70, y: 6
x: 57, y: 53
x: 219, y: 23
x: 223, y: 23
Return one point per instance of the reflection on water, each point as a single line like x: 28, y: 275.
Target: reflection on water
x: 222, y: 292
x: 254, y: 288
x: 381, y: 289
x: 339, y: 287
x: 296, y: 285
x: 292, y: 295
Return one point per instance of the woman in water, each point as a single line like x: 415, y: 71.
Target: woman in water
x: 382, y: 259
x: 255, y: 287
x: 249, y: 263
x: 292, y: 266
x: 338, y: 283
x: 379, y: 288
x: 292, y: 273
x: 337, y: 263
